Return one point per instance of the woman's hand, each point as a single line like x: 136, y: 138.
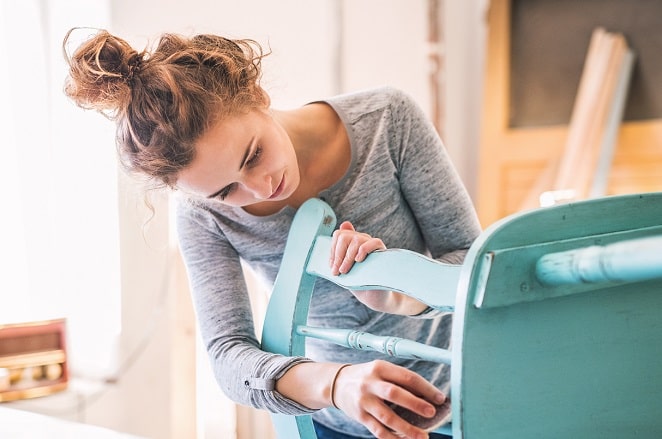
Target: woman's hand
x: 349, y: 246
x: 364, y: 391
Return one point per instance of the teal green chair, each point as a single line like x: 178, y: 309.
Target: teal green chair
x: 557, y: 329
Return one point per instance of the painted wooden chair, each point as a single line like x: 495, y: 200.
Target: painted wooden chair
x: 557, y: 330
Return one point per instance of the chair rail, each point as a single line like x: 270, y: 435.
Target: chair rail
x: 631, y: 260
x: 389, y: 345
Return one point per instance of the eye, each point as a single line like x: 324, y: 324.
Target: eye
x: 255, y: 158
x: 227, y: 190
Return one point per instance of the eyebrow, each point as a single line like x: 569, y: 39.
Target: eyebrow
x: 242, y: 163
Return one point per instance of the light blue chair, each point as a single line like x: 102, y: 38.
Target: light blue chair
x: 557, y: 331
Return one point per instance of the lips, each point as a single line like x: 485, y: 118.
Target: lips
x: 279, y: 189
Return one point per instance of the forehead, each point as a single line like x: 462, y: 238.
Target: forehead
x: 227, y: 130
x: 219, y: 152
x: 230, y: 135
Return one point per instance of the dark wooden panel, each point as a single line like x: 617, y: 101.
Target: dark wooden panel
x: 549, y: 43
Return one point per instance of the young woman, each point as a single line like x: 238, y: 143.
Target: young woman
x: 192, y: 116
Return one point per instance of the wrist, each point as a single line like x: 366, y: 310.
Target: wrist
x: 334, y: 381
x: 309, y: 384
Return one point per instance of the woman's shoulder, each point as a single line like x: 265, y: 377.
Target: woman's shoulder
x: 376, y: 96
x: 354, y: 105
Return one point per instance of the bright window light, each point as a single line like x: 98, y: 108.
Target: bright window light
x: 60, y: 247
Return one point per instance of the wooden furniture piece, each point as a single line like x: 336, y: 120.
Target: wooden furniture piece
x: 557, y: 327
x: 535, y: 53
x: 34, y: 355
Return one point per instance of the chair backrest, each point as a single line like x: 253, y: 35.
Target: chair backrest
x: 558, y: 324
x: 556, y: 329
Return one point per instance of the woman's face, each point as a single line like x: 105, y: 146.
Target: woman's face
x: 243, y: 160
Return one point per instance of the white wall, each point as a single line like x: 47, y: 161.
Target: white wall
x: 465, y: 26
x: 298, y: 32
x: 320, y: 48
x: 382, y: 42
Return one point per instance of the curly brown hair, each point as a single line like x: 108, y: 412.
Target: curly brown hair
x: 162, y: 101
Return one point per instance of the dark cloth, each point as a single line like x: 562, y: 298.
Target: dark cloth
x: 328, y: 433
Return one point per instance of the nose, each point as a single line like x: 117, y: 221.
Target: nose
x: 260, y: 186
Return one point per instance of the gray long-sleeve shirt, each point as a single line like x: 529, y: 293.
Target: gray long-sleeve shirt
x: 400, y: 187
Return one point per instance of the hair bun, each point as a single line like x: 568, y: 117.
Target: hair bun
x: 135, y: 65
x: 102, y: 71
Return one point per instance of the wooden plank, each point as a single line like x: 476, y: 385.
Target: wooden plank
x: 596, y: 118
x: 582, y: 113
x: 615, y: 116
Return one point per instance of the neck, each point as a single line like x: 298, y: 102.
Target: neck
x: 321, y: 144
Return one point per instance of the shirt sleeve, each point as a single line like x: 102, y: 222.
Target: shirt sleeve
x: 432, y: 187
x: 245, y: 373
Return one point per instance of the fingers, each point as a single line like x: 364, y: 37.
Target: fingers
x: 349, y: 246
x: 420, y: 391
x: 379, y: 384
x: 385, y: 425
x: 410, y: 393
